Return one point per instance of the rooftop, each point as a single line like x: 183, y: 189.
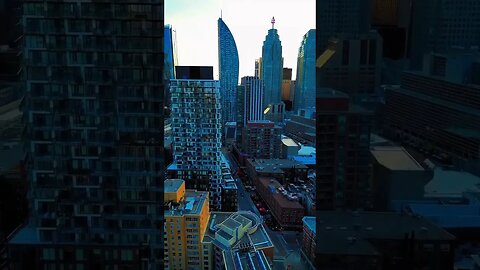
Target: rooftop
x: 281, y: 199
x: 172, y: 185
x: 343, y: 232
x: 192, y: 205
x: 275, y: 165
x: 451, y: 183
x: 395, y: 158
x: 289, y: 142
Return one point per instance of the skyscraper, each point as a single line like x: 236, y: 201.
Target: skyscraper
x: 439, y: 26
x: 197, y: 131
x: 253, y: 99
x: 272, y: 67
x: 94, y: 149
x: 341, y: 17
x: 228, y: 66
x: 170, y: 58
x: 343, y: 154
x: 305, y: 81
x: 258, y: 68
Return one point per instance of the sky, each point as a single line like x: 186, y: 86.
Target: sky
x: 195, y: 22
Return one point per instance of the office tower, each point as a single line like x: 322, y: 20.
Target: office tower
x: 262, y: 139
x: 343, y: 154
x: 197, y: 130
x: 272, y: 67
x: 305, y: 81
x: 439, y: 26
x: 437, y: 109
x: 253, y: 99
x: 287, y: 88
x: 186, y: 216
x: 93, y: 109
x: 170, y: 58
x: 352, y: 64
x: 339, y: 17
x: 258, y: 68
x: 275, y: 112
x: 228, y: 66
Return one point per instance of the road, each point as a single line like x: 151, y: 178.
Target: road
x: 286, y: 243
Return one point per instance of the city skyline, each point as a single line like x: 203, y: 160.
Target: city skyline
x: 291, y: 21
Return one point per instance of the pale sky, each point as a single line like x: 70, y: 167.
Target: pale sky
x: 195, y: 22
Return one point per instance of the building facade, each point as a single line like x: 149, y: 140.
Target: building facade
x: 272, y: 67
x: 228, y: 67
x: 305, y: 80
x: 301, y: 129
x: 309, y: 240
x: 343, y: 154
x: 94, y: 149
x: 253, y: 103
x: 262, y: 139
x: 170, y: 58
x: 196, y: 131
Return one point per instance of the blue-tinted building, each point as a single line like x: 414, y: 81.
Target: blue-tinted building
x: 272, y: 67
x: 228, y: 67
x: 170, y: 60
x: 305, y: 81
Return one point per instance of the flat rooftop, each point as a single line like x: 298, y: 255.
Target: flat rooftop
x: 275, y: 165
x: 281, y: 199
x: 451, y: 184
x: 289, y: 142
x: 192, y: 205
x: 172, y: 185
x: 395, y: 158
x: 344, y: 232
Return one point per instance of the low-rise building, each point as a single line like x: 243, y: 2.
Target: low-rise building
x: 283, y: 205
x: 284, y: 170
x: 381, y: 240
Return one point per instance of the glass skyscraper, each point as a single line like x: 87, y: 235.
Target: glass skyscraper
x: 170, y: 58
x: 94, y: 149
x: 272, y: 67
x: 228, y: 67
x: 305, y: 81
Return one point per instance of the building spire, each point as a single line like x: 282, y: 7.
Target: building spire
x: 273, y: 21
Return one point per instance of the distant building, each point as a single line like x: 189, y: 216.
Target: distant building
x: 396, y: 176
x: 352, y: 64
x: 230, y: 133
x: 228, y: 68
x: 275, y: 112
x: 309, y: 240
x: 196, y: 130
x: 258, y: 68
x: 170, y: 59
x: 253, y: 99
x: 440, y: 26
x: 447, y: 87
x: 343, y: 153
x: 289, y: 147
x: 272, y: 67
x: 341, y: 17
x: 370, y: 240
x: 262, y: 139
x: 284, y: 206
x: 305, y: 79
x: 284, y: 170
x: 301, y: 128
x: 287, y: 87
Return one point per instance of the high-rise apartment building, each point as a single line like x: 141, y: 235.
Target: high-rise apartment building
x: 196, y: 131
x: 170, y: 58
x: 343, y: 154
x: 262, y: 139
x: 93, y: 108
x: 228, y: 67
x: 253, y: 99
x: 305, y: 80
x: 339, y: 17
x: 272, y: 67
x: 439, y: 26
x: 186, y: 216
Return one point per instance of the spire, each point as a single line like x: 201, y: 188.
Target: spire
x: 273, y: 21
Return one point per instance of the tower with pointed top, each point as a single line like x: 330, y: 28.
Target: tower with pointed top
x: 272, y: 66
